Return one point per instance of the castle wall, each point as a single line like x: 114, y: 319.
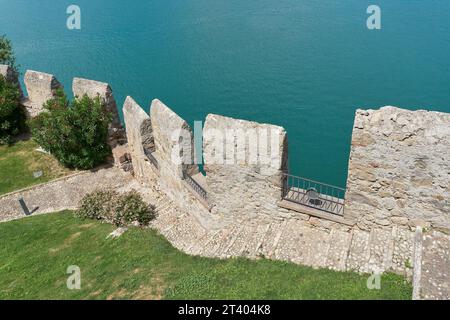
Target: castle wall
x: 138, y: 128
x: 41, y: 87
x: 244, y: 162
x: 94, y: 89
x: 399, y: 169
x: 174, y: 145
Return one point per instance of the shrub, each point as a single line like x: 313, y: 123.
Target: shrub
x: 119, y: 209
x: 12, y: 114
x: 75, y: 133
x: 97, y: 205
x: 131, y: 207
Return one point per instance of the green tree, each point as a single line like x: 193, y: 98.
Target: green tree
x: 75, y: 133
x: 12, y: 114
x: 7, y: 53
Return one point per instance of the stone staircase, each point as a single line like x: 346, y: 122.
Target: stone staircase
x: 288, y: 240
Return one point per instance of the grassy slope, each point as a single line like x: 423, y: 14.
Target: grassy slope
x: 35, y: 253
x: 19, y: 161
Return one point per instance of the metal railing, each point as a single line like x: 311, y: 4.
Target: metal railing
x: 151, y: 158
x: 196, y: 186
x: 314, y: 194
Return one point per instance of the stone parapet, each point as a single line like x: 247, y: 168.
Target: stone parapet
x: 399, y: 169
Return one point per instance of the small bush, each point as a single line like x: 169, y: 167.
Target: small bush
x: 131, y: 207
x: 7, y: 53
x: 75, y: 133
x: 12, y: 114
x: 119, y: 209
x: 98, y: 205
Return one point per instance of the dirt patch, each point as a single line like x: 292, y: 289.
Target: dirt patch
x: 120, y: 294
x: 67, y: 242
x: 153, y: 292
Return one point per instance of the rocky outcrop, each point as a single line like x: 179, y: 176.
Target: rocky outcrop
x: 41, y: 87
x: 399, y: 169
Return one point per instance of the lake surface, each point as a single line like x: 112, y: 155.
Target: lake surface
x: 303, y: 64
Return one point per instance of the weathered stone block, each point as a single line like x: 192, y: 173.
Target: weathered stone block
x: 244, y: 160
x: 406, y: 154
x: 41, y: 87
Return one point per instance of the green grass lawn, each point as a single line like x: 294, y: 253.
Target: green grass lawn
x: 19, y: 161
x: 35, y: 253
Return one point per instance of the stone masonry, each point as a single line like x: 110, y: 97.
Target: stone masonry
x: 238, y: 179
x: 399, y: 169
x: 41, y: 87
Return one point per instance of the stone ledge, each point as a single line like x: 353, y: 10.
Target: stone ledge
x: 313, y: 212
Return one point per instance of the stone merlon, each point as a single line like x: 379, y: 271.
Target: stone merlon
x: 41, y: 87
x: 399, y: 168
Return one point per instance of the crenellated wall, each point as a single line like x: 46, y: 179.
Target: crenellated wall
x: 42, y: 87
x: 399, y: 169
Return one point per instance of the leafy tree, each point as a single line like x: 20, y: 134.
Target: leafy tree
x: 7, y: 53
x: 75, y: 133
x: 12, y: 114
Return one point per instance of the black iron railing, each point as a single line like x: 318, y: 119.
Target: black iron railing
x: 314, y: 194
x: 151, y: 158
x: 196, y: 186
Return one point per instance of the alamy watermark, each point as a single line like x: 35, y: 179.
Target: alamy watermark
x: 374, y: 20
x: 74, y: 19
x: 74, y: 280
x: 374, y: 281
x: 259, y: 146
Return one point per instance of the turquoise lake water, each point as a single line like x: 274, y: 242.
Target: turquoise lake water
x: 304, y: 65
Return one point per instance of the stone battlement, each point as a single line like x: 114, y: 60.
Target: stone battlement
x: 398, y: 179
x: 398, y: 166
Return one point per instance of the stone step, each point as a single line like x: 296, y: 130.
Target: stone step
x: 184, y: 231
x: 403, y: 247
x: 218, y: 242
x: 381, y: 246
x: 434, y: 282
x: 164, y: 205
x: 340, y: 242
x: 256, y: 238
x: 359, y: 254
x: 229, y: 241
x: 196, y: 246
x: 243, y: 238
x: 271, y: 239
x: 303, y: 245
x: 166, y: 218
